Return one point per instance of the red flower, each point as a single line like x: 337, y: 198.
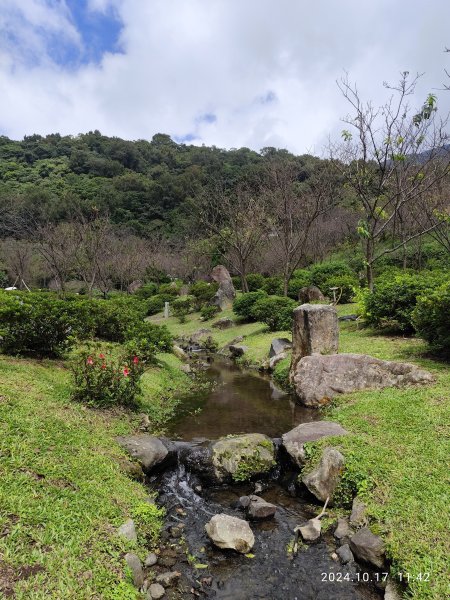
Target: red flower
x: 135, y: 360
x: 101, y: 356
x: 89, y: 361
x: 103, y: 366
x: 126, y: 371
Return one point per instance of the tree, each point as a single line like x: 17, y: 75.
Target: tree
x: 389, y: 158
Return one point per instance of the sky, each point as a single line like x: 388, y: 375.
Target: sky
x: 228, y: 73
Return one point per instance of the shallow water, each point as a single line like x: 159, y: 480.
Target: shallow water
x: 241, y: 401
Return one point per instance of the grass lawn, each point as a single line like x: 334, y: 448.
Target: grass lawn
x: 64, y: 486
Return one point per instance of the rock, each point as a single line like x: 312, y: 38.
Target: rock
x: 310, y: 293
x: 226, y: 293
x: 155, y: 591
x: 151, y: 559
x: 322, y: 480
x: 315, y: 331
x: 293, y: 441
x: 391, y: 592
x: 243, y: 502
x: 242, y: 456
x: 230, y: 533
x: 134, y: 286
x: 224, y: 323
x: 149, y: 451
x: 278, y: 346
x: 258, y: 508
x: 168, y: 579
x: 358, y: 514
x: 317, y: 379
x: 343, y: 529
x: 348, y: 318
x: 237, y: 349
x: 198, y: 460
x: 194, y: 337
x: 310, y: 531
x: 128, y: 531
x: 135, y: 566
x: 177, y: 530
x: 345, y: 554
x: 179, y: 352
x: 368, y: 547
x: 186, y: 369
x: 276, y: 359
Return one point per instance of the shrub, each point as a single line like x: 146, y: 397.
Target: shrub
x: 156, y: 303
x: 273, y: 286
x: 394, y: 298
x: 431, y: 317
x: 243, y: 305
x: 181, y: 307
x: 209, y: 311
x: 203, y: 292
x: 113, y: 318
x: 346, y: 285
x: 170, y: 289
x: 255, y: 281
x: 323, y: 272
x: 103, y: 381
x: 236, y: 282
x: 301, y: 279
x: 147, y: 291
x: 275, y: 311
x: 145, y: 340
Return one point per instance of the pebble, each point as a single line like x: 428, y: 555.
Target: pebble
x: 155, y: 591
x: 151, y: 560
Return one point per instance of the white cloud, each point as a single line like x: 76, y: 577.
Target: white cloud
x: 182, y: 60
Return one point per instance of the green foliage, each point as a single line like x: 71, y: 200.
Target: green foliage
x: 347, y: 285
x: 181, y: 307
x: 322, y: 273
x: 273, y: 286
x: 147, y: 339
x: 431, y: 317
x: 209, y: 311
x: 301, y: 279
x: 275, y: 311
x: 170, y: 289
x: 243, y: 304
x: 104, y: 381
x: 122, y: 591
x: 112, y: 319
x: 147, y: 291
x: 203, y: 291
x: 149, y: 519
x: 255, y: 281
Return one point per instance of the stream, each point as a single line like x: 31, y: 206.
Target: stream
x: 243, y: 401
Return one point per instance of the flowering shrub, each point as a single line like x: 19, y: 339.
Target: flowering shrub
x: 102, y: 381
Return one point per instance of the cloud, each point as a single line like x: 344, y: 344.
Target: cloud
x: 222, y: 72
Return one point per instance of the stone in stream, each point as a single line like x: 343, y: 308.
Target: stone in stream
x: 230, y: 533
x: 134, y: 564
x: 323, y: 479
x: 169, y: 578
x: 293, y: 441
x: 258, y: 508
x: 226, y: 293
x: 343, y: 529
x: 241, y: 457
x: 128, y: 531
x: 315, y: 330
x: 179, y: 352
x: 155, y: 591
x: 278, y: 346
x: 345, y: 554
x: 317, y: 379
x: 276, y: 359
x: 310, y: 531
x: 368, y: 547
x: 149, y: 451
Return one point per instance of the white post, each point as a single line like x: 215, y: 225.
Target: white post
x: 166, y: 310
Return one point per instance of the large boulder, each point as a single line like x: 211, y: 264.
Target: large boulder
x: 323, y: 479
x: 310, y: 293
x: 315, y: 331
x: 150, y: 452
x: 230, y: 533
x: 293, y: 441
x: 317, y: 379
x: 368, y: 547
x: 241, y: 457
x: 279, y: 346
x: 226, y: 293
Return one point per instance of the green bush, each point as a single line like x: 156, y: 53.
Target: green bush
x: 104, y: 381
x: 394, y: 299
x: 431, y: 317
x: 181, y: 307
x: 209, y: 311
x: 275, y: 311
x: 323, y: 272
x: 147, y: 339
x: 170, y: 289
x: 236, y: 282
x: 203, y: 291
x: 155, y: 304
x: 346, y: 285
x: 255, y: 281
x: 147, y: 291
x: 301, y: 279
x: 113, y: 318
x: 243, y: 305
x: 273, y: 286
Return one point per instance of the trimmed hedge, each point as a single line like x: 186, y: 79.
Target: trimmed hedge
x: 431, y: 318
x: 275, y: 311
x: 243, y: 305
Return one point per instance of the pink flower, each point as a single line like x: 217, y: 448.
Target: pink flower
x: 126, y: 371
x: 135, y: 360
x: 89, y: 361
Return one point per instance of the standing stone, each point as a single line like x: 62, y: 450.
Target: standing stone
x: 166, y: 310
x: 226, y: 293
x: 315, y: 331
x: 230, y: 533
x: 322, y: 481
x: 368, y: 547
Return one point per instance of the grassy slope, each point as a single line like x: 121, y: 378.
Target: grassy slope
x: 63, y: 485
x: 399, y: 447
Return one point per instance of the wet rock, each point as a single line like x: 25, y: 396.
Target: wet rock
x: 315, y: 331
x: 310, y: 293
x: 168, y: 579
x: 343, y: 529
x: 198, y: 460
x: 151, y: 559
x: 242, y: 456
x: 310, y: 531
x: 128, y: 531
x: 345, y: 554
x: 279, y: 346
x: 243, y: 502
x: 317, y: 379
x: 358, y: 514
x: 135, y: 566
x: 226, y: 293
x: 368, y: 547
x: 155, y: 591
x: 230, y: 533
x: 258, y: 508
x: 177, y: 530
x: 179, y: 352
x: 167, y: 561
x: 322, y: 480
x: 391, y: 592
x: 276, y: 359
x: 224, y: 323
x: 237, y: 350
x: 294, y: 440
x: 149, y: 451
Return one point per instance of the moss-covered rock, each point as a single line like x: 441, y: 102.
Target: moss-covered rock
x: 241, y: 457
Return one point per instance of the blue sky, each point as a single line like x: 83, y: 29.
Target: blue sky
x: 229, y: 73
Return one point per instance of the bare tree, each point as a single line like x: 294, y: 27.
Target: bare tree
x: 19, y: 258
x: 391, y: 156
